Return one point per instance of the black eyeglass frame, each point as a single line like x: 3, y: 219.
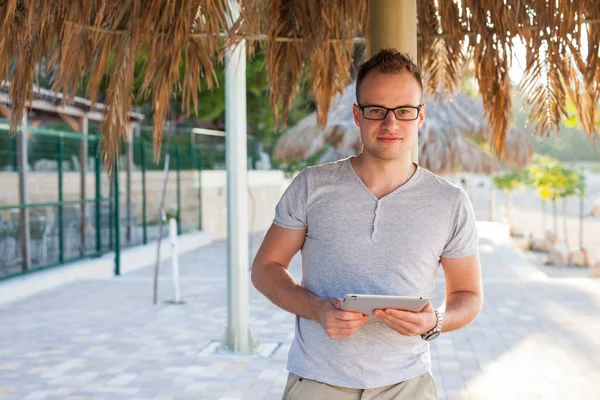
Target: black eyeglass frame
x: 387, y: 110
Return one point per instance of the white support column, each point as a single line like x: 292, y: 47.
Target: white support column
x: 237, y: 336
x: 23, y: 198
x: 393, y: 24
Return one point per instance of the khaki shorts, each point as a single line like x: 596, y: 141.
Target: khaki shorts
x: 419, y: 388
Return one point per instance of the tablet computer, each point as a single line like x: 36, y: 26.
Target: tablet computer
x: 366, y: 303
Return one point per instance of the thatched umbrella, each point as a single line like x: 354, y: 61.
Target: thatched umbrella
x: 444, y: 146
x: 98, y: 41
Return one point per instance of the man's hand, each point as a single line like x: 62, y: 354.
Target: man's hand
x: 338, y: 323
x: 408, y: 323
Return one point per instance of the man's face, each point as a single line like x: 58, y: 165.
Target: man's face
x: 390, y: 138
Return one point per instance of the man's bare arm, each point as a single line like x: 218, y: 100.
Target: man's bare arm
x: 271, y: 277
x: 464, y: 291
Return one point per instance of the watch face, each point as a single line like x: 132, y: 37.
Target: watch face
x: 433, y: 336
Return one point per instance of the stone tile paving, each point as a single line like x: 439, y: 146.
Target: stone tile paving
x: 535, y: 339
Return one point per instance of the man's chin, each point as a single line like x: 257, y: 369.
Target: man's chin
x: 389, y: 155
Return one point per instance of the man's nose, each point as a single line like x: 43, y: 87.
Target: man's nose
x: 390, y: 122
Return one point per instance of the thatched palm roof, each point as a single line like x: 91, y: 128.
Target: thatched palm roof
x: 444, y: 144
x: 96, y: 40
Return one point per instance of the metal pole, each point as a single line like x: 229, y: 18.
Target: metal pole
x: 83, y: 157
x: 23, y: 198
x: 111, y: 214
x: 178, y: 175
x: 117, y: 218
x: 191, y: 152
x: 143, y: 166
x: 161, y: 218
x: 61, y: 221
x: 128, y: 211
x: 238, y: 338
x: 173, y: 232
x: 98, y: 199
x: 393, y: 24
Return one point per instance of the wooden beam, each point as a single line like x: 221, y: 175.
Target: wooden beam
x: 393, y: 24
x: 44, y: 105
x: 72, y: 122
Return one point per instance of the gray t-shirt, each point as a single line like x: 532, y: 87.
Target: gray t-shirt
x: 356, y: 243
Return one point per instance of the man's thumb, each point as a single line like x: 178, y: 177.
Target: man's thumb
x: 337, y: 302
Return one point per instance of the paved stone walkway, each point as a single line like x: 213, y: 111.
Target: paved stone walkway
x: 537, y: 337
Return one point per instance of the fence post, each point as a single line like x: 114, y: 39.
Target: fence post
x: 83, y: 156
x: 61, y: 222
x: 143, y: 165
x: 25, y: 233
x: 16, y: 154
x: 117, y: 219
x: 98, y: 199
x: 191, y: 152
x: 178, y: 168
x: 111, y: 217
x: 128, y: 210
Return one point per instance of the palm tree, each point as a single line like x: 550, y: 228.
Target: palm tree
x: 570, y: 183
x: 540, y: 178
x: 510, y: 181
x: 554, y: 181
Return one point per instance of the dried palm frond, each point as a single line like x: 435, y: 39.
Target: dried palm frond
x: 491, y: 58
x: 442, y: 56
x: 26, y: 29
x: 588, y: 110
x: 179, y: 40
x: 326, y: 30
x: 551, y: 65
x: 428, y: 26
x: 284, y: 59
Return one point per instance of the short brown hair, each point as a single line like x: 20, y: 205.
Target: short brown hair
x: 389, y: 61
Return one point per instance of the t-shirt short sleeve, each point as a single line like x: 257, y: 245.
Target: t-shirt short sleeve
x: 290, y: 212
x: 463, y: 238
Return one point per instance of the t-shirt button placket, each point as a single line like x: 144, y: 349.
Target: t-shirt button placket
x: 376, y: 219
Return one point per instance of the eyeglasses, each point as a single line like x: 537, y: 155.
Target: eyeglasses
x: 404, y: 113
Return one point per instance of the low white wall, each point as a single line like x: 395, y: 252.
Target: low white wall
x: 264, y: 191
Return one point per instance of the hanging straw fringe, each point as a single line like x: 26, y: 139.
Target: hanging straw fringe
x: 178, y: 43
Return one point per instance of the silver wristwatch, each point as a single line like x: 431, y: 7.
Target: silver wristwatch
x: 436, y: 331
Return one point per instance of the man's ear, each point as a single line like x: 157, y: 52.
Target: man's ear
x: 422, y: 115
x: 356, y: 114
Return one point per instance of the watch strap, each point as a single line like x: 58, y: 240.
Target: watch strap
x: 437, y: 328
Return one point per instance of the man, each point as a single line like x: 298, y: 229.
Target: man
x: 371, y: 224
